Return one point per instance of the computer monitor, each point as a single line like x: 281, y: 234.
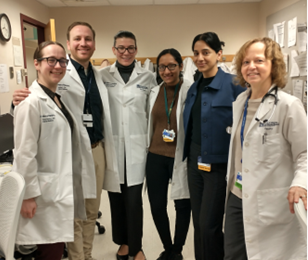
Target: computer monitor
x: 6, y: 133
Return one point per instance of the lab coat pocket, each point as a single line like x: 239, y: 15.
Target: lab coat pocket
x: 138, y: 148
x: 269, y: 147
x: 49, y: 186
x: 273, y: 206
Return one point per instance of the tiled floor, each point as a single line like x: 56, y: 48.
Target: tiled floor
x: 105, y: 249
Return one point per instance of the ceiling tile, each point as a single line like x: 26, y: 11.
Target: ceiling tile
x: 175, y: 2
x: 131, y: 2
x: 218, y: 1
x: 51, y: 3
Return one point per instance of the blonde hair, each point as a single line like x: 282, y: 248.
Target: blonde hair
x: 273, y: 53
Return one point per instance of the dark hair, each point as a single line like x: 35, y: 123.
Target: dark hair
x: 79, y: 23
x: 211, y: 39
x: 176, y: 55
x: 38, y: 51
x: 124, y: 34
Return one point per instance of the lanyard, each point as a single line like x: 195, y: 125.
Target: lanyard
x: 243, y: 123
x: 87, y: 101
x: 168, y: 111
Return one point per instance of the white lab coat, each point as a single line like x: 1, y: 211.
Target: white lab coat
x: 73, y: 94
x: 179, y: 184
x: 129, y: 117
x: 49, y: 160
x: 269, y: 169
x: 189, y: 69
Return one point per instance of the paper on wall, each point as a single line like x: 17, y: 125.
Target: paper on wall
x: 305, y: 95
x: 302, y: 37
x: 298, y: 88
x: 18, y: 77
x: 271, y: 34
x: 286, y: 61
x: 301, y: 61
x: 294, y: 67
x: 279, y: 33
x: 4, y: 84
x: 292, y: 24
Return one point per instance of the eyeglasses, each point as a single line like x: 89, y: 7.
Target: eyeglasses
x: 122, y: 49
x: 170, y: 67
x: 53, y: 61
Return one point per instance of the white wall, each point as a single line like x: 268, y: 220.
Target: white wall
x: 160, y: 27
x: 13, y: 8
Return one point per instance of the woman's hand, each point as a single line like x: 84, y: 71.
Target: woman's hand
x: 28, y: 208
x: 20, y: 95
x: 295, y: 193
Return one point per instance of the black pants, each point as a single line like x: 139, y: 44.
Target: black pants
x: 127, y: 217
x: 235, y: 248
x: 49, y: 251
x: 207, y: 196
x: 158, y: 173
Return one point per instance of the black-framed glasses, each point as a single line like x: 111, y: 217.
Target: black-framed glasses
x: 122, y: 49
x: 52, y: 61
x: 170, y: 67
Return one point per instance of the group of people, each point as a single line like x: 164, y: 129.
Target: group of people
x: 116, y: 126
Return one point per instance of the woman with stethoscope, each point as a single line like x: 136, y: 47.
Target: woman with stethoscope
x: 267, y: 160
x: 164, y: 159
x: 47, y: 154
x: 207, y: 114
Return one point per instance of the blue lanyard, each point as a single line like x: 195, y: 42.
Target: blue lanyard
x: 243, y: 123
x: 87, y: 101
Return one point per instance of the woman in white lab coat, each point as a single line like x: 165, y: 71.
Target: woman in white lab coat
x: 267, y: 160
x: 129, y: 87
x: 47, y: 154
x: 164, y: 160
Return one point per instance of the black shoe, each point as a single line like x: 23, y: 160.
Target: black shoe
x: 122, y: 257
x: 164, y: 255
x: 175, y: 256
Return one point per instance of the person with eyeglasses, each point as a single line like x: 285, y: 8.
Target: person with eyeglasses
x: 165, y: 153
x: 47, y: 154
x: 267, y: 168
x: 129, y: 87
x: 86, y: 96
x: 207, y: 115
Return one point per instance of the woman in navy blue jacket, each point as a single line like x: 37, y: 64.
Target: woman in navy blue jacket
x: 207, y: 115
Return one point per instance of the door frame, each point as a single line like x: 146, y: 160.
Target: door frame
x: 40, y: 36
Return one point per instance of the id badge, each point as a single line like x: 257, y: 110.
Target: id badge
x: 203, y: 166
x: 87, y: 120
x: 238, y: 182
x: 168, y: 135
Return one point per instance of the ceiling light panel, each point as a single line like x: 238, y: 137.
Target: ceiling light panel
x: 173, y: 2
x: 131, y: 2
x: 51, y: 3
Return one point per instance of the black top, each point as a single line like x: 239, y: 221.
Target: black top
x: 93, y: 102
x: 63, y: 109
x: 125, y: 71
x: 196, y: 111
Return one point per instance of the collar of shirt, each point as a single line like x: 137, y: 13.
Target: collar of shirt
x: 80, y: 68
x: 49, y: 92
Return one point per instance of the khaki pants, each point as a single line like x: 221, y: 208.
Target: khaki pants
x: 81, y: 248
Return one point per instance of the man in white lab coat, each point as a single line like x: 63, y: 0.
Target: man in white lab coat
x: 86, y: 96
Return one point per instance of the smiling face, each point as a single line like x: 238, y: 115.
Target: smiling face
x: 256, y: 68
x: 170, y: 77
x: 206, y: 59
x: 125, y: 58
x: 47, y: 75
x: 81, y: 44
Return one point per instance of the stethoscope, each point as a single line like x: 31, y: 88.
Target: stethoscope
x: 268, y: 94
